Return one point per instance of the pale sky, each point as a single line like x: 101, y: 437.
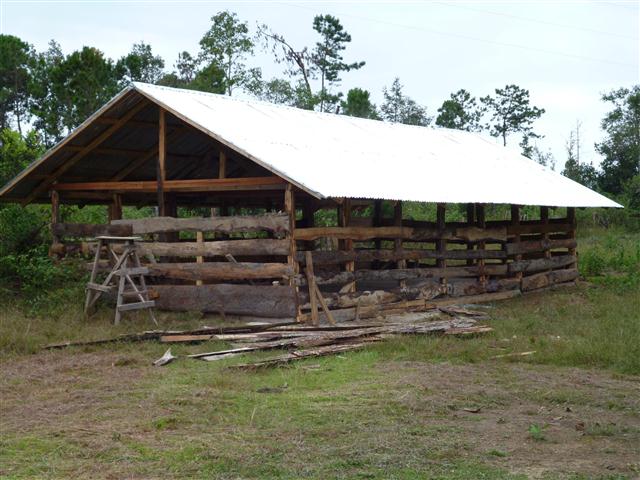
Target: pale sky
x: 566, y: 53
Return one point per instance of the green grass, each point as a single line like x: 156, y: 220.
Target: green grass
x: 393, y: 410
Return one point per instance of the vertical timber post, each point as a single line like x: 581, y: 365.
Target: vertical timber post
x: 290, y: 209
x: 515, y: 222
x: 162, y: 160
x: 471, y: 219
x: 377, y: 222
x: 344, y: 218
x: 397, y: 243
x: 544, y: 220
x: 441, y: 244
x: 571, y: 219
x: 55, y: 213
x: 480, y: 222
x: 115, y: 208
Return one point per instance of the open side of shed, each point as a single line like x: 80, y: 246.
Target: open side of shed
x: 259, y: 174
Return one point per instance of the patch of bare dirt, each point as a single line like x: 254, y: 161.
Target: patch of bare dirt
x: 588, y: 422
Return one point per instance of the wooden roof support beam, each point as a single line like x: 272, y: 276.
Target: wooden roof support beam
x: 82, y: 153
x: 124, y: 173
x: 197, y: 185
x: 162, y: 160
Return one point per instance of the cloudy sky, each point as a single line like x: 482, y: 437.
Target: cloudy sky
x: 566, y: 53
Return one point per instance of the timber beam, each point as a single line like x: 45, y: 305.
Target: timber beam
x: 195, y: 185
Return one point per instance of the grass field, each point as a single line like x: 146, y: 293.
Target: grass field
x: 395, y: 410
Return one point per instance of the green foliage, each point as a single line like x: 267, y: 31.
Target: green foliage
x: 226, y: 45
x: 536, y: 432
x: 69, y: 89
x: 398, y: 108
x: 511, y: 113
x: 141, y: 65
x: 358, y: 104
x: 461, y: 112
x: 17, y: 152
x: 327, y: 57
x: 16, y: 63
x: 621, y: 147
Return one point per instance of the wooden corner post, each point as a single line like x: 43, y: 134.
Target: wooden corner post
x: 571, y: 219
x: 162, y: 160
x: 515, y: 222
x: 290, y: 209
x: 441, y: 244
x: 55, y: 214
x: 481, y: 223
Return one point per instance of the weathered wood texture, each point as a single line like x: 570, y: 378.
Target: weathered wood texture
x: 253, y: 247
x: 406, y: 233
x: 213, y: 271
x: 264, y: 301
x: 90, y: 230
x: 546, y: 279
x: 271, y: 222
x: 337, y: 256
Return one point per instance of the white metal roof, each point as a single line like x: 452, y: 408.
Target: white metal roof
x: 341, y: 156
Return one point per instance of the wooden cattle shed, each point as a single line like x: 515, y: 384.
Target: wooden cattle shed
x: 259, y: 174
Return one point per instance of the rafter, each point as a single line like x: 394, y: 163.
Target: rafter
x: 82, y: 153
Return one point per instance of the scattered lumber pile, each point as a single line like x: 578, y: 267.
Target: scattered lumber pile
x: 304, y: 341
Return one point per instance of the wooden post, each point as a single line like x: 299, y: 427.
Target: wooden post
x: 471, y: 214
x: 344, y: 218
x: 441, y: 245
x: 222, y: 173
x: 311, y: 283
x: 290, y: 208
x: 544, y: 218
x: 397, y: 242
x: 55, y: 213
x: 115, y: 208
x: 571, y: 218
x: 162, y: 160
x: 199, y: 259
x: 480, y: 223
x: 515, y: 221
x: 377, y: 222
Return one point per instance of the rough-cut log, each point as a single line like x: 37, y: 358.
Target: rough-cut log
x: 90, y: 230
x: 409, y: 273
x: 263, y: 301
x: 464, y: 287
x: 271, y: 222
x: 254, y: 247
x: 541, y: 280
x: 220, y: 271
x: 336, y: 256
x: 347, y: 314
x: 406, y: 233
x: 539, y: 246
x: 539, y: 264
x: 525, y: 228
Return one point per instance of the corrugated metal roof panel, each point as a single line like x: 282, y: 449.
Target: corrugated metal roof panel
x: 340, y: 156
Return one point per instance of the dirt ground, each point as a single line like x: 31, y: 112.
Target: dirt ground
x: 525, y: 419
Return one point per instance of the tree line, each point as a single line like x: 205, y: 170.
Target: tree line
x: 43, y: 95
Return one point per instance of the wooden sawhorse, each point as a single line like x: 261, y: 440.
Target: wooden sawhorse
x: 127, y: 268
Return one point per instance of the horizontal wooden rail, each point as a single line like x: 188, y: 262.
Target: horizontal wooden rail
x: 278, y: 222
x: 195, y: 185
x: 218, y: 248
x: 406, y: 233
x: 90, y: 230
x: 265, y: 301
x: 341, y: 256
x: 538, y: 246
x: 220, y: 271
x: 539, y: 264
x: 546, y: 279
